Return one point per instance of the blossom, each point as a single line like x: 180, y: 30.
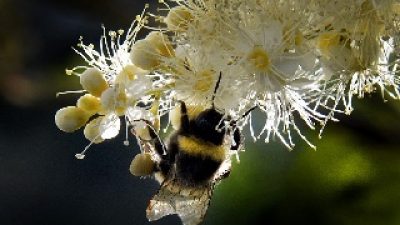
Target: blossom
x: 279, y: 71
x: 194, y: 80
x: 239, y: 57
x: 302, y: 66
x: 358, y: 51
x: 116, y: 88
x: 274, y: 66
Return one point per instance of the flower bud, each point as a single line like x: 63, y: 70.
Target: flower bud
x: 93, y: 81
x: 144, y: 55
x: 147, y: 53
x: 92, y: 130
x: 142, y: 131
x: 178, y: 18
x: 71, y: 118
x: 114, y: 100
x: 89, y: 103
x: 128, y: 73
x: 161, y: 43
x: 142, y: 165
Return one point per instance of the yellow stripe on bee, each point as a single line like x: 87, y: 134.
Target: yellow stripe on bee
x: 192, y: 113
x: 196, y: 147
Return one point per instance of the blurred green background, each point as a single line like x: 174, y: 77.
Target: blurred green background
x: 352, y: 178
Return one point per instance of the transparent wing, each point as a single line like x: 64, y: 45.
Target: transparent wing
x: 189, y: 203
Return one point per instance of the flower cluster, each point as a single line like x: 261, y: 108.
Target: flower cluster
x: 293, y: 61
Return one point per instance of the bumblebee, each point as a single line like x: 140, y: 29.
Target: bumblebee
x: 189, y: 165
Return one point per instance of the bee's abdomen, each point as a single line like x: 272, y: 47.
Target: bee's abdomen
x: 193, y: 170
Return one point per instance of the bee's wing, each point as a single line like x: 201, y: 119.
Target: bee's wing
x: 190, y: 204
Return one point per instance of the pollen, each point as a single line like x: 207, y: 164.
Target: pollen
x: 204, y: 81
x: 327, y: 41
x: 259, y: 59
x: 298, y: 39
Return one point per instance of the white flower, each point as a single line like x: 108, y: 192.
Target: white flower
x: 282, y: 76
x: 194, y: 79
x: 295, y: 61
x: 136, y: 114
x: 116, y: 86
x: 351, y: 75
x: 109, y: 126
x: 149, y: 53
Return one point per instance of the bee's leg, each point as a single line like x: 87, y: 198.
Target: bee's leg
x: 237, y: 138
x: 223, y: 172
x: 248, y: 112
x: 222, y: 176
x: 155, y: 139
x: 159, y: 145
x: 156, y: 145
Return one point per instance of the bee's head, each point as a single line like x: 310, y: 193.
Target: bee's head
x: 209, y: 124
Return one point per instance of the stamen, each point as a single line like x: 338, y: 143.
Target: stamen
x: 70, y: 92
x: 126, y: 142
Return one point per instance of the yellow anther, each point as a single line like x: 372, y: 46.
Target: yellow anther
x: 259, y: 59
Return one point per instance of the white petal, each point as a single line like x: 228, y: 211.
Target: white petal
x: 272, y: 36
x: 288, y: 65
x: 110, y: 126
x: 304, y: 84
x: 139, y: 87
x: 138, y: 113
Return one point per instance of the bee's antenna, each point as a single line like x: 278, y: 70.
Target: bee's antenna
x: 248, y: 112
x: 215, y: 89
x: 233, y: 122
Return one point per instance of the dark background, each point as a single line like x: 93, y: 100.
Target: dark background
x: 353, y: 177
